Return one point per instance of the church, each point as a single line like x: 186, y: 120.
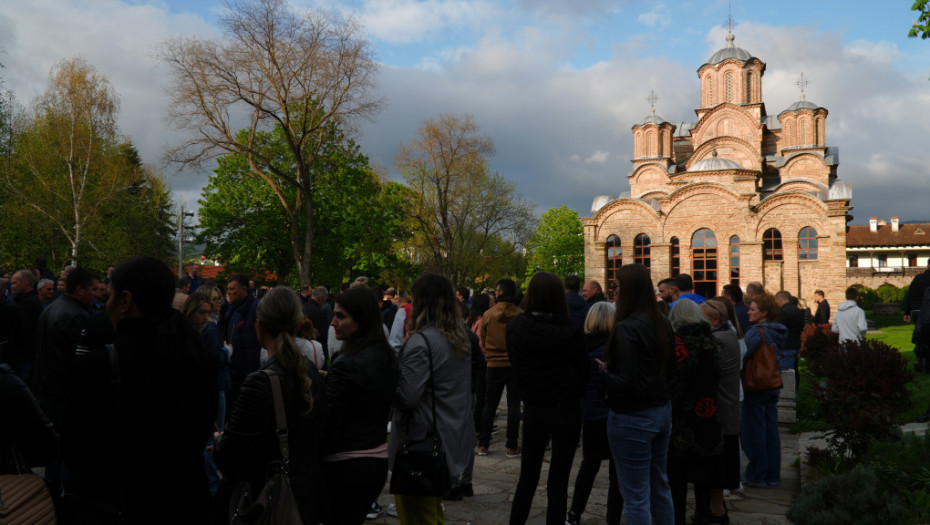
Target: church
x: 738, y: 195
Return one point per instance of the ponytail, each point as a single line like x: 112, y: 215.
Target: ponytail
x: 280, y: 313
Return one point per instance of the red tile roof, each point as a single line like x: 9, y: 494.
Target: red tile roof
x: 209, y: 271
x: 917, y: 234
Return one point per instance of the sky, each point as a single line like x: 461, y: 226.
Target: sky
x: 557, y: 84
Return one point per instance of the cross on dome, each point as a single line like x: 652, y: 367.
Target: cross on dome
x: 652, y: 99
x: 801, y: 83
x: 731, y: 23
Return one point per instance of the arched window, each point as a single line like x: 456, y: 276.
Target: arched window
x: 704, y: 262
x: 749, y: 86
x: 771, y: 246
x: 650, y: 137
x: 729, y: 81
x: 710, y: 91
x: 803, y: 127
x: 807, y: 244
x: 661, y: 149
x: 614, y: 255
x: 675, y: 256
x: 789, y: 132
x: 641, y: 249
x: 734, y: 260
x: 817, y: 132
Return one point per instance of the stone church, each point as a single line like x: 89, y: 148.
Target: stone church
x: 736, y: 196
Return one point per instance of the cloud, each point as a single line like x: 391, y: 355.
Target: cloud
x: 658, y: 15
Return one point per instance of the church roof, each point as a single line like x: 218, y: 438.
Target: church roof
x: 729, y: 52
x: 715, y: 163
x: 653, y: 119
x: 860, y: 236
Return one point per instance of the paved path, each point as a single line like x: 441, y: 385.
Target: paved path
x: 495, y: 479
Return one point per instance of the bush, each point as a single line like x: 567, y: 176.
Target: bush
x: 867, y: 298
x: 856, y: 496
x: 859, y: 388
x: 889, y: 293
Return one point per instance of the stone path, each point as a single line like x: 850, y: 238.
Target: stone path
x: 495, y: 479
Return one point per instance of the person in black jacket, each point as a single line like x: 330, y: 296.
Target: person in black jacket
x: 550, y: 365
x: 25, y: 429
x: 640, y: 362
x: 250, y: 442
x: 359, y: 391
x: 135, y: 423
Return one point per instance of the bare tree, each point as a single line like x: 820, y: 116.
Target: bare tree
x: 68, y: 161
x: 274, y: 66
x: 463, y: 213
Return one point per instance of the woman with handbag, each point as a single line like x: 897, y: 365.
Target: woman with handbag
x: 640, y: 362
x: 550, y: 365
x: 360, y: 386
x: 250, y: 443
x: 433, y: 404
x: 759, y: 416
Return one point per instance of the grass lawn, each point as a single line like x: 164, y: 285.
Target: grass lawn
x: 893, y: 331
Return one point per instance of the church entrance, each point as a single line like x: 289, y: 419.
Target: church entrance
x: 704, y: 262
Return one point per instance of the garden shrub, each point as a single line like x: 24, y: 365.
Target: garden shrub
x: 889, y: 293
x: 859, y: 388
x: 856, y: 497
x: 867, y: 298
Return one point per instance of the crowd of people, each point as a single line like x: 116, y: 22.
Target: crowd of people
x: 141, y: 383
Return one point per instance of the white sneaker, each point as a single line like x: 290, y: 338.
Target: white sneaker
x: 391, y: 510
x: 374, y: 511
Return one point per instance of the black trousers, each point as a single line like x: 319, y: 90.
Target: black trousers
x: 562, y: 424
x: 594, y: 449
x: 352, y: 485
x: 496, y: 379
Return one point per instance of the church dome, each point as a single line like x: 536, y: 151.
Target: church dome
x: 653, y: 119
x: 715, y: 163
x: 729, y: 52
x: 801, y: 104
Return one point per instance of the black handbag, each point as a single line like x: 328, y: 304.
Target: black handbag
x: 275, y: 504
x: 420, y: 468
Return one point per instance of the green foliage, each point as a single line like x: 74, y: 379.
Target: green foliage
x: 358, y: 219
x: 867, y: 298
x: 557, y: 244
x: 889, y: 293
x: 857, y: 497
x: 921, y: 26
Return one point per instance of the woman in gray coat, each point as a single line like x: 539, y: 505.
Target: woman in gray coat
x: 435, y: 328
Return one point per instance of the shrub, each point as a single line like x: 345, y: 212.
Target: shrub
x: 856, y: 496
x: 859, y: 388
x: 867, y: 298
x: 889, y: 293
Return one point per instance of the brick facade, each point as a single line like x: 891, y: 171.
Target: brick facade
x: 735, y: 173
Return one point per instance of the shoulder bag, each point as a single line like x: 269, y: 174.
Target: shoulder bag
x: 761, y: 371
x: 24, y: 498
x: 420, y: 468
x: 275, y: 503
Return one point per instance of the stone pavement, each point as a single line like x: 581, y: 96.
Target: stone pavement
x: 495, y: 479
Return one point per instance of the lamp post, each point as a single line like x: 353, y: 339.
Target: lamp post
x: 181, y: 238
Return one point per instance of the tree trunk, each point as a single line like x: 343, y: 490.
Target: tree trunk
x: 304, y: 266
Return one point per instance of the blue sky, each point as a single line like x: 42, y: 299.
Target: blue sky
x: 557, y: 84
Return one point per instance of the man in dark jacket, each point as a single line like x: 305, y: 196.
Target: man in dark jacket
x: 793, y: 318
x: 22, y: 353
x: 313, y: 310
x: 240, y: 334
x: 577, y: 307
x: 593, y: 293
x: 822, y: 315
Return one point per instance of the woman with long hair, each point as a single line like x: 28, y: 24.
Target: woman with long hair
x: 594, y: 445
x: 695, y: 455
x: 550, y: 365
x: 359, y: 390
x: 437, y: 339
x: 640, y: 362
x: 199, y: 308
x: 250, y: 442
x: 759, y: 416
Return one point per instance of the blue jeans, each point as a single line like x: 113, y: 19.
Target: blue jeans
x: 639, y: 443
x: 760, y: 439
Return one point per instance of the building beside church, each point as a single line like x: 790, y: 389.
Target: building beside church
x: 736, y: 196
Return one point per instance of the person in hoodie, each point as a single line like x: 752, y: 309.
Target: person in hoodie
x: 594, y: 445
x: 759, y: 417
x: 498, y: 375
x: 849, y: 320
x: 551, y: 368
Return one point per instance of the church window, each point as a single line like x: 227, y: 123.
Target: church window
x: 749, y: 86
x: 710, y: 91
x: 650, y: 137
x: 803, y: 127
x: 676, y: 256
x: 614, y: 262
x: 817, y: 132
x: 771, y: 246
x: 661, y: 143
x: 641, y: 250
x: 704, y: 262
x: 789, y: 132
x: 734, y: 260
x: 807, y: 244
x: 729, y: 81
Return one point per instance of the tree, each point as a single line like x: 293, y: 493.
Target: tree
x: 458, y: 207
x: 921, y: 26
x: 275, y: 67
x: 359, y: 219
x: 557, y: 244
x: 67, y: 165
